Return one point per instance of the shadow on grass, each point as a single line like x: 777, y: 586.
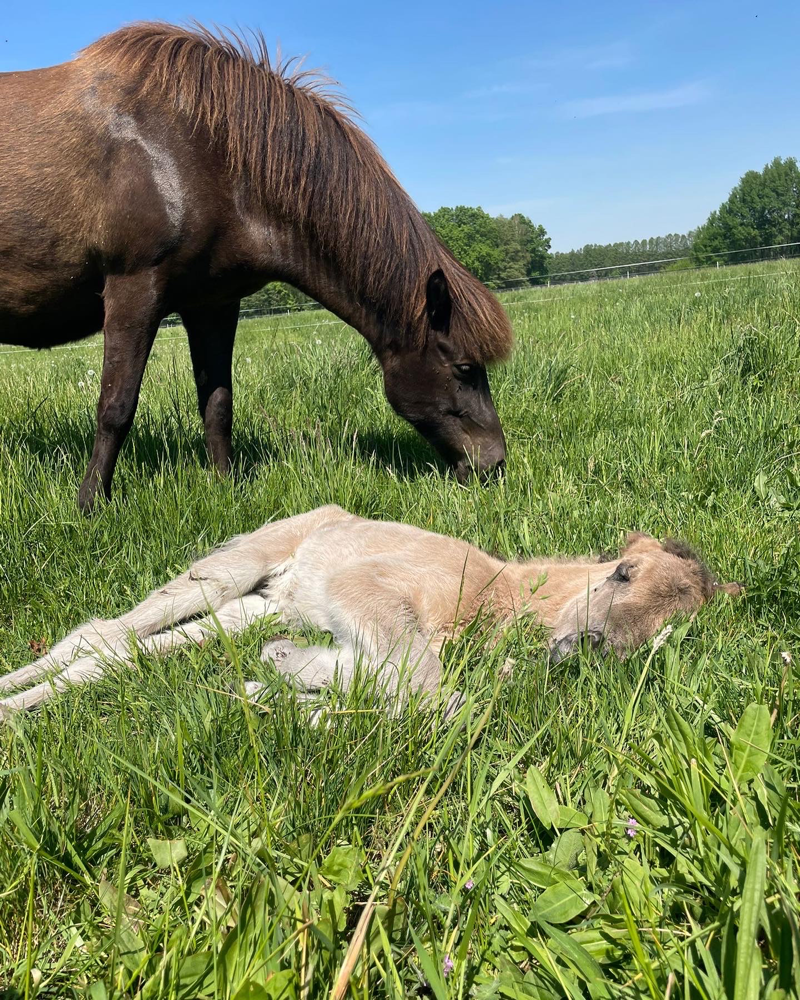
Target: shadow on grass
x: 151, y: 446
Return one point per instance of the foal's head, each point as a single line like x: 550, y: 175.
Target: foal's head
x: 649, y: 583
x: 436, y: 377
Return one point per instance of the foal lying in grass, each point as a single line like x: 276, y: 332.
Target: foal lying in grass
x: 389, y: 593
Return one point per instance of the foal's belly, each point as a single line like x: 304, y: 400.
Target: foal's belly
x: 301, y: 597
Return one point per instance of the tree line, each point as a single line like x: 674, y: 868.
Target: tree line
x: 761, y: 211
x: 617, y: 255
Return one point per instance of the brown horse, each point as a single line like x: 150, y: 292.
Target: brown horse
x: 171, y: 170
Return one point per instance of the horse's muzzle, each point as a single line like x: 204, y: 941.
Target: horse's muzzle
x: 488, y: 464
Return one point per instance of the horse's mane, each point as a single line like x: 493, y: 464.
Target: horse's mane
x: 294, y: 144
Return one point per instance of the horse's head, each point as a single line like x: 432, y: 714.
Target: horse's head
x: 649, y: 583
x: 441, y: 387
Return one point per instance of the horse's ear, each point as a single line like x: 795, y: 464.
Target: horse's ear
x: 438, y: 303
x: 731, y: 589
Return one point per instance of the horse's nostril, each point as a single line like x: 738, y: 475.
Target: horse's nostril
x: 486, y: 471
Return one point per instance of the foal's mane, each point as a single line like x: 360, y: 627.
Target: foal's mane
x: 293, y: 143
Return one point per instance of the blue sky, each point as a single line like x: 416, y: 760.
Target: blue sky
x: 602, y: 121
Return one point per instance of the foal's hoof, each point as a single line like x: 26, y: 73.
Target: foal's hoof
x: 277, y: 650
x: 453, y: 705
x: 255, y: 690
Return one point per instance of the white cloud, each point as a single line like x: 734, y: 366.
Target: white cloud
x: 613, y: 55
x: 503, y: 89
x: 526, y: 205
x: 654, y: 100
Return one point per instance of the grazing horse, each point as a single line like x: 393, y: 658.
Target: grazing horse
x: 171, y: 170
x: 390, y: 594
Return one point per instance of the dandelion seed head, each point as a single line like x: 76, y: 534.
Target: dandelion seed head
x: 662, y: 637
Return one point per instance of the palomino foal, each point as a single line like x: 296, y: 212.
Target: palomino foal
x: 389, y: 593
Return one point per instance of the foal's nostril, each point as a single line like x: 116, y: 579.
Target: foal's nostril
x: 569, y: 645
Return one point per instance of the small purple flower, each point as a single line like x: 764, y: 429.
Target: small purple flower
x: 447, y: 965
x: 632, y: 827
x: 469, y: 884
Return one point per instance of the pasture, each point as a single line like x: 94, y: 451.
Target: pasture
x: 598, y: 828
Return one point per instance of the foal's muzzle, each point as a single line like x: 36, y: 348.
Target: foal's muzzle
x: 570, y: 644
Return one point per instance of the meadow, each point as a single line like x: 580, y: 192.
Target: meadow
x: 593, y: 829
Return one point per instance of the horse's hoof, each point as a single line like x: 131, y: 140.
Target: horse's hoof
x: 89, y: 496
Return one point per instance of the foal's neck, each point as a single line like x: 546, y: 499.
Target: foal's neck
x: 543, y: 586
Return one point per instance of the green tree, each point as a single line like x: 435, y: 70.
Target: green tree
x: 619, y: 255
x: 762, y: 210
x: 496, y: 250
x: 275, y: 295
x: 525, y: 248
x: 472, y: 237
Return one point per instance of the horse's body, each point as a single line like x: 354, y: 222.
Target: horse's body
x: 389, y: 593
x: 166, y: 170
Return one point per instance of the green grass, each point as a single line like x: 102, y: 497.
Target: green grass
x: 160, y: 839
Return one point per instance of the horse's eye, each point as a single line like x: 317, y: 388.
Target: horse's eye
x: 464, y: 369
x: 621, y: 574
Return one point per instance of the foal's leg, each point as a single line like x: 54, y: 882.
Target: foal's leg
x: 133, y: 310
x: 238, y: 568
x: 232, y: 618
x: 211, y: 333
x: 400, y: 662
x: 312, y: 666
x: 211, y: 582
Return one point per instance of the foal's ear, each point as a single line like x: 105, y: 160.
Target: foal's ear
x: 639, y: 539
x: 731, y: 589
x: 438, y: 304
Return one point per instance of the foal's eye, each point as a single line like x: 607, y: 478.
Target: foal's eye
x: 621, y: 574
x: 465, y: 369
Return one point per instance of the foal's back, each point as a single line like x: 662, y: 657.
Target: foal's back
x: 387, y: 565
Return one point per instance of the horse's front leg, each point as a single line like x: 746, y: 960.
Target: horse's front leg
x: 211, y: 333
x: 133, y: 310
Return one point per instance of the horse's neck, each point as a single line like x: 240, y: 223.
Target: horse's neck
x: 542, y: 587
x: 297, y: 261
